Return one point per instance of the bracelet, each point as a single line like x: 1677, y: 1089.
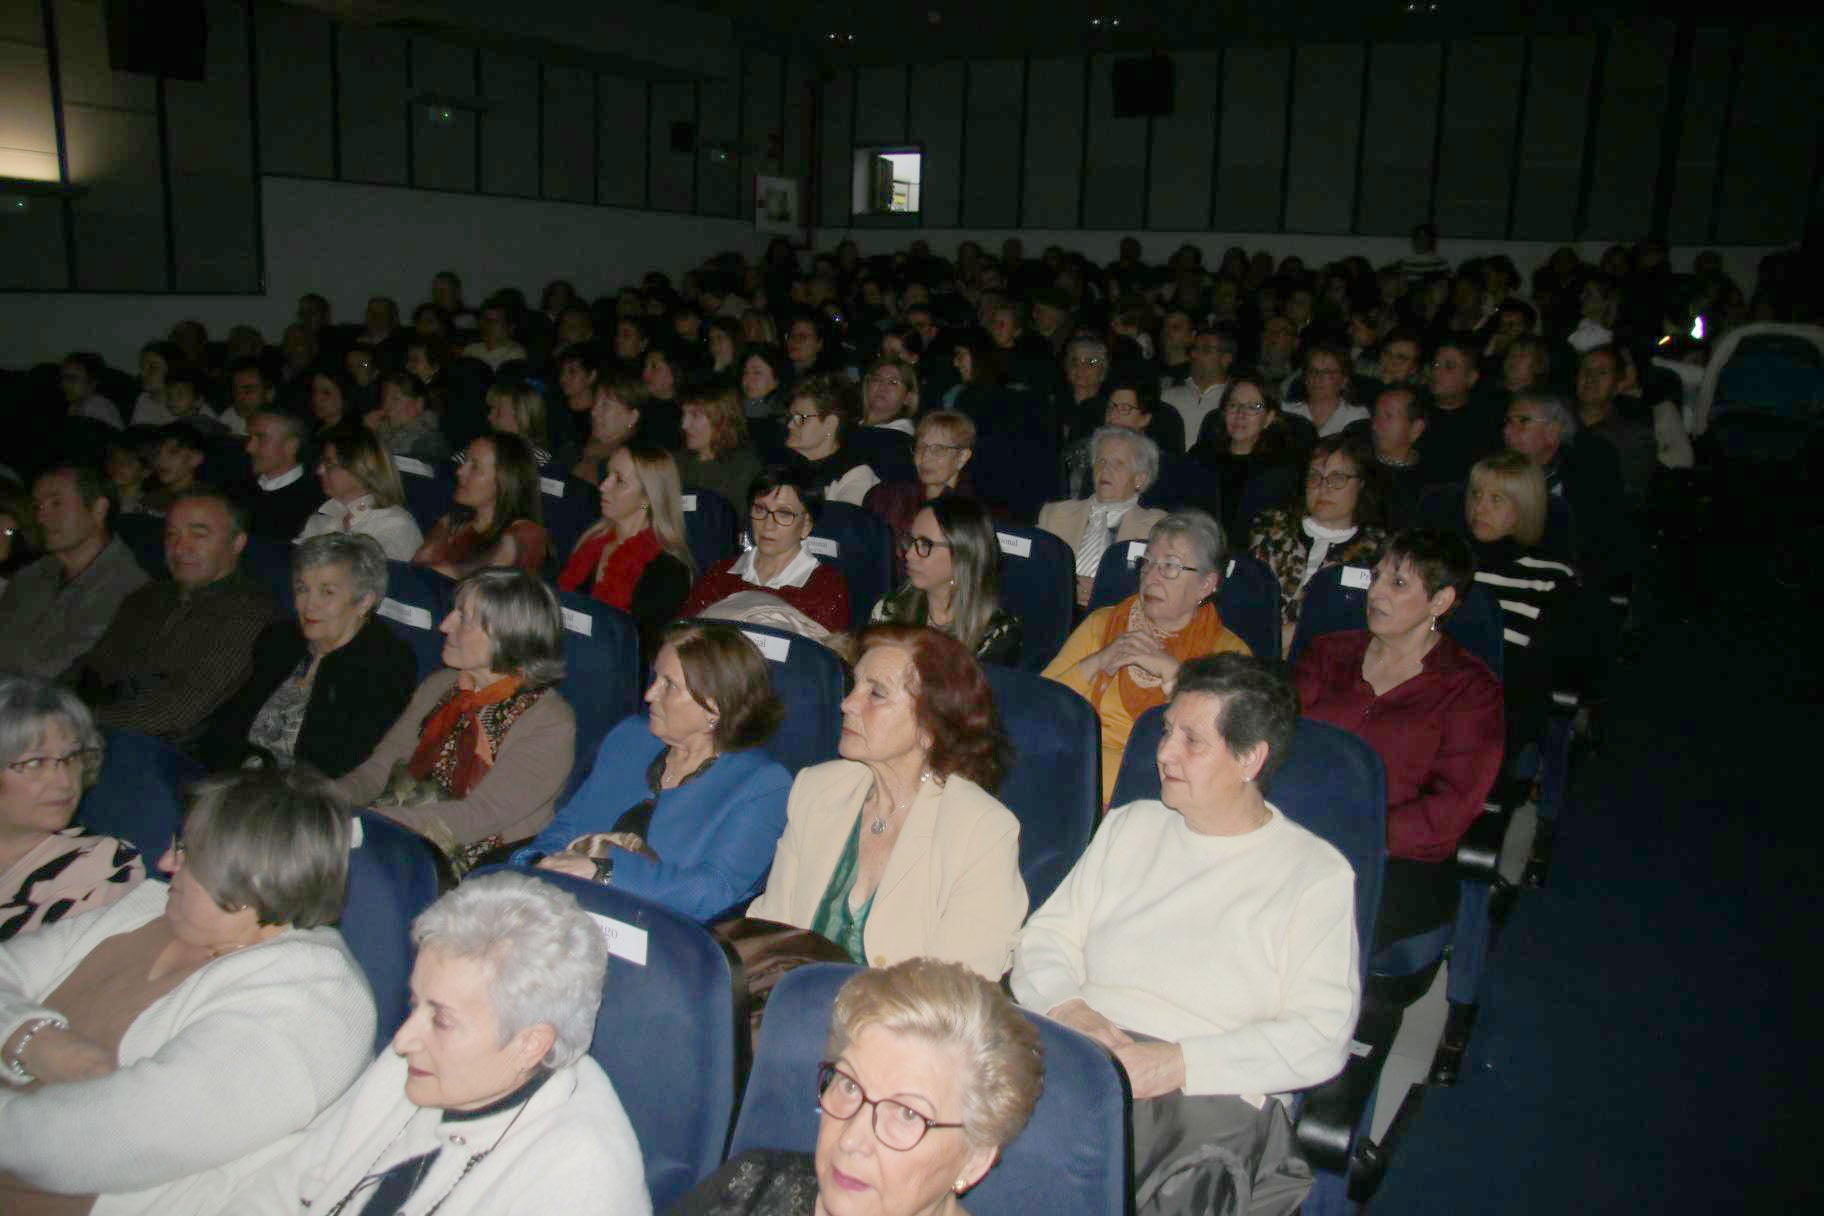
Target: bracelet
x: 14, y: 1057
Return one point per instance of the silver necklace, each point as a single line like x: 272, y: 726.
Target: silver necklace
x: 880, y: 821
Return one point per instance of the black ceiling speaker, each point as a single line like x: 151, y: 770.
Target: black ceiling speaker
x: 1143, y: 87
x: 159, y: 37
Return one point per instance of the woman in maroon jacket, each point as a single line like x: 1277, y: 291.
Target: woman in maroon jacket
x: 1430, y: 709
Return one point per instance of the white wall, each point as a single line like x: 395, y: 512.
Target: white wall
x: 350, y: 242
x: 1104, y: 246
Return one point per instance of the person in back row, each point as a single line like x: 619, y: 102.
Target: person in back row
x: 280, y: 496
x: 1123, y: 464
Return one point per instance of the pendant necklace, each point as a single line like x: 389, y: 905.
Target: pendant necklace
x: 880, y: 821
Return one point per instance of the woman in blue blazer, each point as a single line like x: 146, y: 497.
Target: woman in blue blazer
x: 683, y: 807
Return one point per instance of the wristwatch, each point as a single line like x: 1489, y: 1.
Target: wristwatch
x: 604, y: 869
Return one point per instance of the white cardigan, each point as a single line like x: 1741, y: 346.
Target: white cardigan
x: 213, y: 1075
x: 571, y: 1151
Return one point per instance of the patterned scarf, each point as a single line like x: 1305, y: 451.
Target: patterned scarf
x: 1141, y: 689
x: 461, y: 735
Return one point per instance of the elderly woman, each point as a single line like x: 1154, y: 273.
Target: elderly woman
x: 683, y: 806
x: 51, y: 869
x: 953, y: 560
x: 635, y: 557
x: 889, y: 395
x: 1345, y: 510
x: 823, y: 410
x: 1326, y: 405
x: 781, y: 512
x: 1124, y: 658
x: 488, y: 1101
x: 365, y: 496
x: 1209, y: 943
x: 930, y: 1072
x: 485, y: 746
x: 166, y: 1045
x: 326, y: 685
x: 922, y: 752
x: 1428, y: 707
x: 941, y: 447
x: 1123, y: 464
x: 498, y: 519
x: 1083, y: 403
x: 516, y: 408
x: 717, y: 455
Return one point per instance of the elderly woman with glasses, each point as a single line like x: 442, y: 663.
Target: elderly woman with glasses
x: 1125, y: 658
x: 488, y: 1101
x: 683, y: 806
x: 364, y: 494
x: 1123, y: 463
x: 942, y: 445
x: 889, y: 395
x: 51, y: 869
x: 327, y: 684
x: 780, y: 507
x: 824, y: 409
x: 930, y: 1073
x: 164, y: 1047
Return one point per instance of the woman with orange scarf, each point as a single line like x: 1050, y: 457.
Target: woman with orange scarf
x: 479, y: 756
x: 1125, y: 658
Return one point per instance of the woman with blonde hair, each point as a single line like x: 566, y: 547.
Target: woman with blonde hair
x: 365, y: 495
x: 635, y: 557
x: 516, y: 408
x: 717, y: 454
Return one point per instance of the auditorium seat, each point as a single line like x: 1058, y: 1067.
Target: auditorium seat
x: 812, y: 680
x: 1054, y: 785
x: 711, y: 525
x: 602, y: 680
x: 139, y: 795
x: 860, y: 547
x: 1038, y: 585
x: 392, y: 877
x: 417, y: 600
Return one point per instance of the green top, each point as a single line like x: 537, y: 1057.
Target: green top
x: 834, y: 919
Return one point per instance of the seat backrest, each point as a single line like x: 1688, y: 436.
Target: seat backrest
x: 1476, y: 626
x: 568, y: 515
x: 1267, y: 488
x: 888, y: 452
x: 812, y: 680
x: 1249, y: 604
x: 860, y: 545
x: 1336, y: 599
x: 601, y: 673
x: 1054, y: 787
x: 710, y: 526
x: 428, y: 498
x: 417, y: 601
x: 392, y: 877
x: 144, y: 537
x: 1330, y: 783
x: 1038, y: 585
x: 666, y: 1034
x: 1072, y: 1157
x: 1016, y: 474
x: 270, y: 563
x: 139, y: 795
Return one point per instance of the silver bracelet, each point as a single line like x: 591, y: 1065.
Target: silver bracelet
x: 13, y: 1059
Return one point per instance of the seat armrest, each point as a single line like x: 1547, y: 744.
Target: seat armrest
x: 1330, y: 1114
x: 1479, y: 851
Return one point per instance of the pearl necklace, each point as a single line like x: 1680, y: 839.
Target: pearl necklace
x: 880, y: 821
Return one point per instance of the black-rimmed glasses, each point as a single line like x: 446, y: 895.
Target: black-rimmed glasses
x: 841, y: 1096
x: 785, y: 517
x: 1168, y: 569
x: 1335, y: 480
x: 921, y: 545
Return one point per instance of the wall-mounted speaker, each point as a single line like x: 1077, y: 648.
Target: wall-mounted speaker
x: 159, y: 38
x: 1143, y: 87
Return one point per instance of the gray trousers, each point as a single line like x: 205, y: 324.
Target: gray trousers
x: 1215, y: 1155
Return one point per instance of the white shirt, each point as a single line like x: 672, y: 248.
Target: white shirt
x: 1588, y: 336
x: 1194, y: 404
x: 797, y: 572
x: 1344, y: 416
x: 284, y: 479
x: 100, y: 409
x: 496, y: 356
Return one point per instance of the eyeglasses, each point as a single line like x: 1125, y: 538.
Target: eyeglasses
x: 1330, y: 481
x: 1091, y: 361
x: 38, y: 766
x: 794, y: 418
x: 888, y: 381
x: 840, y: 1096
x: 1245, y: 407
x: 922, y: 545
x: 1523, y: 420
x: 936, y: 449
x: 1168, y: 569
x: 1124, y: 407
x: 785, y: 517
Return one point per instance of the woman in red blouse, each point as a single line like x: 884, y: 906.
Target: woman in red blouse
x: 635, y: 557
x: 778, y: 508
x: 498, y: 519
x: 1431, y: 710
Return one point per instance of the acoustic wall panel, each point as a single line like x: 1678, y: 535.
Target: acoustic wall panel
x: 835, y: 189
x: 569, y: 140
x: 1054, y: 143
x: 1252, y: 141
x: 371, y: 104
x: 443, y: 136
x: 621, y: 136
x: 1773, y: 139
x: 31, y: 234
x: 762, y: 148
x: 1700, y: 141
x: 991, y: 155
x: 297, y: 120
x: 1114, y: 181
x: 1326, y: 125
x: 1628, y: 130
x: 718, y: 188
x: 937, y: 125
x: 215, y: 214
x: 1475, y: 162
x: 674, y: 106
x: 1552, y: 138
x: 880, y: 105
x: 1184, y: 146
x: 1399, y: 135
x: 509, y: 126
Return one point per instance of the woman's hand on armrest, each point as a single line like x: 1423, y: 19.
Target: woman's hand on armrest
x: 1153, y: 1069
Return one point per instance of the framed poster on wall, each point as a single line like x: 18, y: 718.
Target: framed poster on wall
x: 776, y: 209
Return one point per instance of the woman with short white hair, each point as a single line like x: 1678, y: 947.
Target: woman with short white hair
x: 488, y: 1100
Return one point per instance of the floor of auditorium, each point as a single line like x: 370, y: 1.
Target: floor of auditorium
x: 1639, y: 1046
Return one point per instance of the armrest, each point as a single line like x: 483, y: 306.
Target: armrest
x: 1479, y: 851
x: 1330, y: 1114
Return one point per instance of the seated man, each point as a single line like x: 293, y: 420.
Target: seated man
x: 81, y: 372
x: 1463, y: 425
x: 1583, y: 474
x: 1398, y: 423
x: 496, y: 346
x: 1123, y: 464
x: 175, y: 462
x: 1199, y: 399
x: 279, y: 497
x: 179, y: 647
x: 249, y: 391
x: 1598, y: 382
x: 56, y: 608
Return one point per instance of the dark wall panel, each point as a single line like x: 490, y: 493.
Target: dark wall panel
x: 1054, y: 143
x: 1253, y: 138
x: 622, y: 135
x: 443, y: 136
x: 215, y: 214
x: 297, y: 128
x: 569, y: 126
x: 834, y: 129
x: 1629, y: 125
x: 880, y: 105
x: 763, y: 140
x: 1326, y: 125
x: 509, y: 126
x: 1481, y: 109
x: 1398, y: 137
x: 1114, y: 184
x: 937, y: 124
x: 673, y: 172
x: 1184, y: 145
x: 1551, y: 146
x: 1701, y: 136
x: 1773, y: 139
x: 718, y: 190
x: 991, y: 161
x: 371, y: 68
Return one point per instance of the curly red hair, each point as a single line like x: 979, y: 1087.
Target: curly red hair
x: 955, y: 705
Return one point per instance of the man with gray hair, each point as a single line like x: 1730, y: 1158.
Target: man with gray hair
x: 280, y: 497
x: 1582, y: 471
x: 1123, y: 464
x: 56, y: 608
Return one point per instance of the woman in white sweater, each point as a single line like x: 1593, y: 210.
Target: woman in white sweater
x: 487, y: 1102
x: 1209, y: 943
x: 164, y: 1047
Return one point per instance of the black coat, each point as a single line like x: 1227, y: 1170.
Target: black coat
x: 360, y: 691
x: 279, y: 515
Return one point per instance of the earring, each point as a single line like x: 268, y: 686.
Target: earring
x: 1434, y: 624
x: 962, y: 1184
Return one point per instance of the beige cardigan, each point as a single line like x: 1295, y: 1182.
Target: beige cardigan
x: 952, y: 886
x: 515, y: 800
x: 1067, y: 519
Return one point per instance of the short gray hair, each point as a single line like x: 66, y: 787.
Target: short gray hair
x: 27, y: 706
x: 521, y: 616
x: 275, y: 841
x: 545, y: 957
x: 1094, y: 346
x: 362, y: 554
x: 1553, y: 411
x: 1146, y: 452
x: 1204, y: 533
x: 948, y: 1006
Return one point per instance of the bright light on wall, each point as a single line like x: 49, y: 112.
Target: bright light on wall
x: 26, y: 166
